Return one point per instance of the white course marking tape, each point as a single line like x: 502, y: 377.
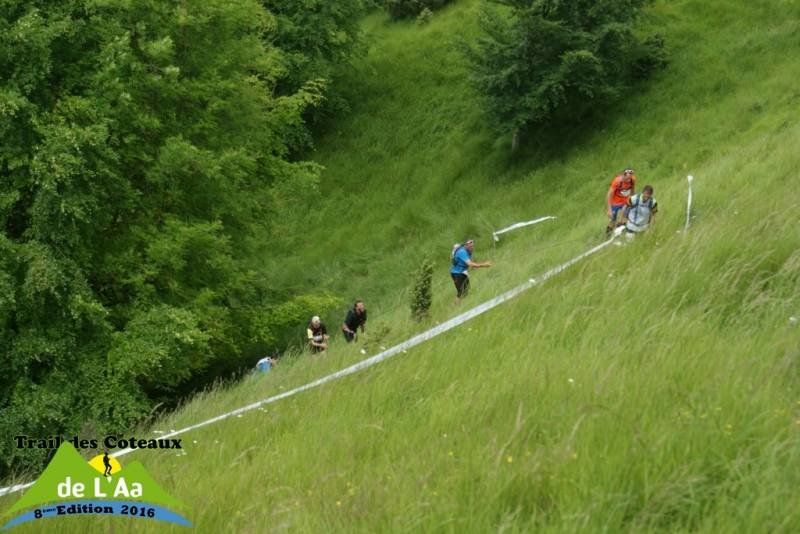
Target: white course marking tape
x: 15, y: 488
x: 369, y: 362
x: 520, y: 225
x: 688, y: 203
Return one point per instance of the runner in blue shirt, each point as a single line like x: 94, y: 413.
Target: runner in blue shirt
x: 462, y: 262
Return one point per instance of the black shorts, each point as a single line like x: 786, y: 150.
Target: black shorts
x: 462, y: 283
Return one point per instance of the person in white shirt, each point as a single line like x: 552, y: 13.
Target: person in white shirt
x: 640, y: 211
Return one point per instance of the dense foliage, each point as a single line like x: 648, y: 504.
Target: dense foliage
x: 542, y: 62
x: 317, y: 37
x: 399, y: 9
x: 143, y: 149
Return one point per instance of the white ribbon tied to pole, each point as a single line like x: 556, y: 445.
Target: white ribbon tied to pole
x: 520, y: 225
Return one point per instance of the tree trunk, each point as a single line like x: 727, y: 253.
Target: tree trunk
x: 515, y: 141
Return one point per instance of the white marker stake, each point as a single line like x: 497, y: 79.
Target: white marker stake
x: 688, y: 203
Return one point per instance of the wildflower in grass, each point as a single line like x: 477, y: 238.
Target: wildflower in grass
x: 509, y: 459
x: 450, y: 453
x: 728, y: 428
x: 338, y: 503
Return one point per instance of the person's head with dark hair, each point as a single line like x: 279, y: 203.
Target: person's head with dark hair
x: 358, y: 306
x: 469, y: 244
x: 647, y: 192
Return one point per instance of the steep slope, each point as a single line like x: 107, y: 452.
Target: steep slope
x: 655, y: 386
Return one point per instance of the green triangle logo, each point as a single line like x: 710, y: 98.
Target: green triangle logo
x: 70, y: 481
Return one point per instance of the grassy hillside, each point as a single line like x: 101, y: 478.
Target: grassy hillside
x: 655, y: 386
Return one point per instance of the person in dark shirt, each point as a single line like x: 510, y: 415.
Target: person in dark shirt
x: 317, y: 335
x: 356, y: 318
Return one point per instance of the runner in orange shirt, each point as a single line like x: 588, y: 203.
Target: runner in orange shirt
x: 622, y: 188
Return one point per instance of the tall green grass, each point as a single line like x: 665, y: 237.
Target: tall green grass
x: 652, y: 387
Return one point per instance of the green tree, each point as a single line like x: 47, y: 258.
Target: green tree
x: 540, y: 62
x: 399, y: 9
x: 422, y: 294
x: 143, y: 148
x: 317, y: 38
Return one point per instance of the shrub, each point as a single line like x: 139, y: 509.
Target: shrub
x: 424, y: 16
x: 400, y: 9
x: 421, y: 296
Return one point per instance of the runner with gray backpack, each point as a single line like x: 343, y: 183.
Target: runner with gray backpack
x: 640, y: 212
x: 461, y: 257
